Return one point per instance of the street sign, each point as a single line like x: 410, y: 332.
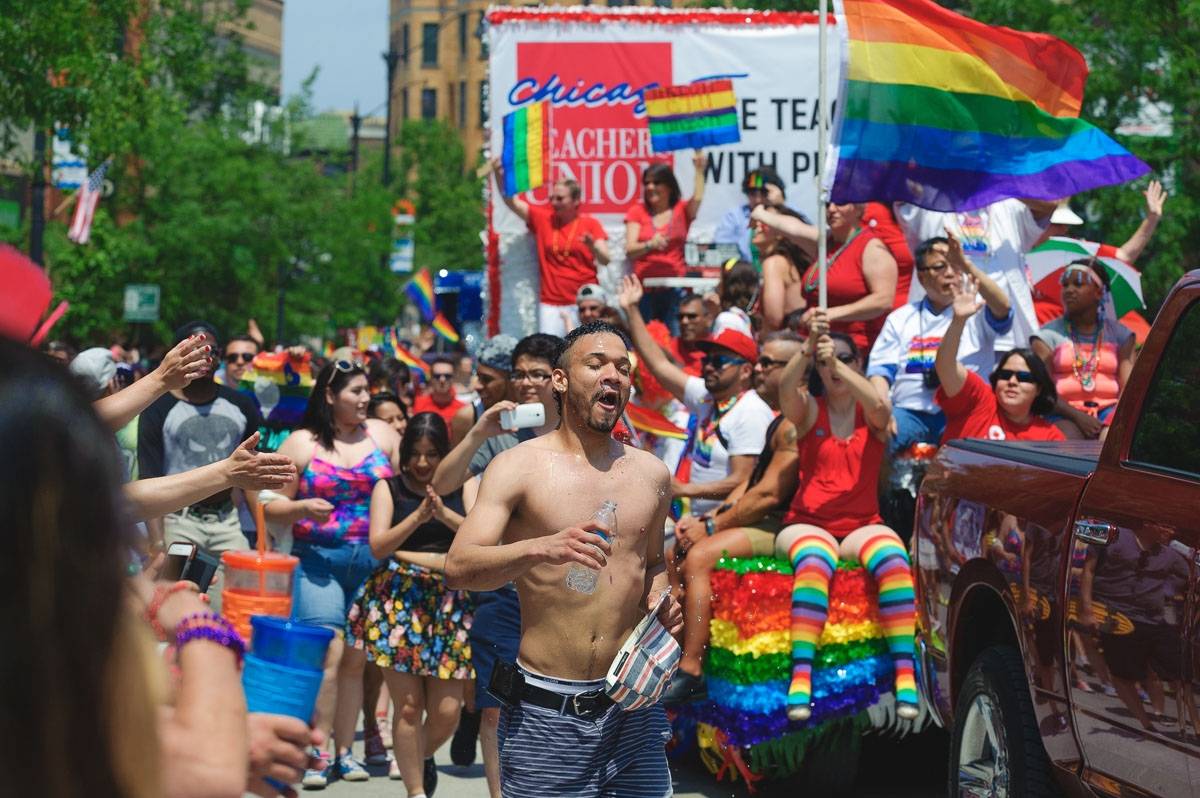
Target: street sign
x: 403, y: 216
x: 141, y: 302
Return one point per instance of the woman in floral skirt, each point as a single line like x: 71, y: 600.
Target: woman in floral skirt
x: 404, y: 617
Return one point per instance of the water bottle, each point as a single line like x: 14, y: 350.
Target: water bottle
x: 580, y: 577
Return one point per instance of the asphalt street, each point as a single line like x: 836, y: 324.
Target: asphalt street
x: 913, y: 768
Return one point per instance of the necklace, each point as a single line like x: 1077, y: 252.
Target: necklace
x: 565, y: 249
x: 813, y: 274
x: 1085, y: 368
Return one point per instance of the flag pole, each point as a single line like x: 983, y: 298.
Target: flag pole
x: 822, y: 143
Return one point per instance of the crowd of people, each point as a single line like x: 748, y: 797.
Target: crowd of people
x: 434, y: 532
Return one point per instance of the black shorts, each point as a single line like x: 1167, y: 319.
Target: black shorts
x: 1156, y: 646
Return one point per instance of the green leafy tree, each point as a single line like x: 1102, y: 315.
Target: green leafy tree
x: 448, y: 199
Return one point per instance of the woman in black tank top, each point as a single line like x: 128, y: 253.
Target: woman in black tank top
x: 409, y: 623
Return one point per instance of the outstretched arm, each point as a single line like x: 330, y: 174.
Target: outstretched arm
x: 455, y: 468
x: 951, y: 373
x: 189, y: 359
x: 877, y: 409
x: 794, y: 399
x: 669, y: 375
x: 798, y: 230
x: 516, y: 205
x: 700, y: 162
x: 1131, y: 250
x: 993, y: 295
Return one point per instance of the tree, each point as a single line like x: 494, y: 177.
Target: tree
x: 448, y: 198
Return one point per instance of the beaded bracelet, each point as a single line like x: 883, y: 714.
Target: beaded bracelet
x: 161, y: 593
x: 211, y: 627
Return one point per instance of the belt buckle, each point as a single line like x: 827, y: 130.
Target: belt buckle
x: 587, y: 704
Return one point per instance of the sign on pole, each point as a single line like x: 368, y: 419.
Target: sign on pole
x: 141, y: 302
x: 401, y: 259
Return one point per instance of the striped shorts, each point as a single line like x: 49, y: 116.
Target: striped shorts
x: 547, y: 755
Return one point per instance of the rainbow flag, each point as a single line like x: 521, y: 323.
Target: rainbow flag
x: 406, y: 357
x: 950, y: 114
x: 692, y: 116
x: 280, y: 385
x: 526, y: 156
x: 420, y: 291
x: 652, y: 422
x: 443, y: 327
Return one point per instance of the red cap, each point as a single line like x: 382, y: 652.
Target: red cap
x: 739, y: 343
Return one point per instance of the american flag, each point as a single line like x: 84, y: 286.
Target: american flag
x: 85, y: 205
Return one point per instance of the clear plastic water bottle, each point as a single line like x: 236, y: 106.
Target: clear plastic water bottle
x: 580, y: 577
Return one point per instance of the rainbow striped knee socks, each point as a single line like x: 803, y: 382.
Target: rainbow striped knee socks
x: 886, y: 560
x: 813, y: 558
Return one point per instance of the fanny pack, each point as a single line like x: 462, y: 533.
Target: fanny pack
x: 645, y: 663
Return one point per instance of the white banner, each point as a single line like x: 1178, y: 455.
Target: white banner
x: 595, y: 65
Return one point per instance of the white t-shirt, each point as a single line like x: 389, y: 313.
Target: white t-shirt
x: 743, y: 428
x: 996, y: 239
x: 907, y: 345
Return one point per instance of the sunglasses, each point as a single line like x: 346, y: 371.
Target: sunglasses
x: 1004, y: 375
x: 719, y: 362
x: 442, y: 377
x: 765, y: 362
x: 1077, y: 277
x: 239, y: 357
x: 941, y: 267
x: 347, y: 366
x: 847, y: 358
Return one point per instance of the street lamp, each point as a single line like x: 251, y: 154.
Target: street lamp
x: 391, y: 58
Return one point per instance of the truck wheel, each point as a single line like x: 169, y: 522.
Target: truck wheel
x: 996, y: 749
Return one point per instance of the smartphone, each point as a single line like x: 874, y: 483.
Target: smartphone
x: 524, y: 416
x: 185, y: 562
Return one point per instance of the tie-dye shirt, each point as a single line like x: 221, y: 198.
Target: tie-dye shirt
x: 908, y: 344
x: 348, y: 490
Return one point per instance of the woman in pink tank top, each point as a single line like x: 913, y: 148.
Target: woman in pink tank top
x: 341, y: 454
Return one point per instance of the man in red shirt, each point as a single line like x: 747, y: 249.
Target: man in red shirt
x: 695, y: 325
x: 569, y: 245
x: 440, y: 397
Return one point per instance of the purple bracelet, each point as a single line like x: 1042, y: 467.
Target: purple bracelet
x: 211, y: 627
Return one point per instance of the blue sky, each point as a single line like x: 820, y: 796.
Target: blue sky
x: 345, y: 39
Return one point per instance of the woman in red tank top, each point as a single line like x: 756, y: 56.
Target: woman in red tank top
x: 862, y: 273
x: 842, y: 425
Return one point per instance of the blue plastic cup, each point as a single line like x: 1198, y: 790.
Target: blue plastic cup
x: 290, y: 643
x: 280, y: 690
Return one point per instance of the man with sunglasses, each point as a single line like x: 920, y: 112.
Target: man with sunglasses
x: 901, y: 362
x: 239, y: 354
x: 729, y: 419
x: 440, y: 396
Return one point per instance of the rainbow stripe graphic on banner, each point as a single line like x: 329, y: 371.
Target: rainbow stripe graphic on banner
x: 280, y: 384
x: 526, y: 156
x: 420, y: 291
x: 950, y: 114
x: 692, y: 116
x: 749, y: 663
x: 443, y: 327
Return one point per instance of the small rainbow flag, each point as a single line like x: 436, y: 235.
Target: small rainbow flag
x: 443, y: 327
x: 406, y: 357
x: 692, y: 116
x: 280, y: 385
x: 652, y: 422
x: 420, y: 291
x: 526, y: 157
x: 950, y: 114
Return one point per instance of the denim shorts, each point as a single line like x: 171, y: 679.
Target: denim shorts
x: 326, y: 580
x: 495, y: 637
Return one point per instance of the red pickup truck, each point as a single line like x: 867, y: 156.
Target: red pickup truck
x: 1059, y: 593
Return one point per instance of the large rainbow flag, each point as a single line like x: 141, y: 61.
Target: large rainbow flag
x: 950, y: 114
x: 692, y: 116
x: 526, y: 156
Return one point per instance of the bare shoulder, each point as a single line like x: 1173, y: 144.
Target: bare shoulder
x: 383, y: 432
x: 648, y: 465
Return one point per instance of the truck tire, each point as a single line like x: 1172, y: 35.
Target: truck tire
x: 996, y: 748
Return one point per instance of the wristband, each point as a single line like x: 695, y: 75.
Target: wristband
x: 710, y: 526
x: 161, y: 593
x: 212, y: 627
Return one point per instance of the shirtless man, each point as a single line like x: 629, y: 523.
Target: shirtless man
x: 569, y: 639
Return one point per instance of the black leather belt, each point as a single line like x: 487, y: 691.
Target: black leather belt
x: 588, y: 706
